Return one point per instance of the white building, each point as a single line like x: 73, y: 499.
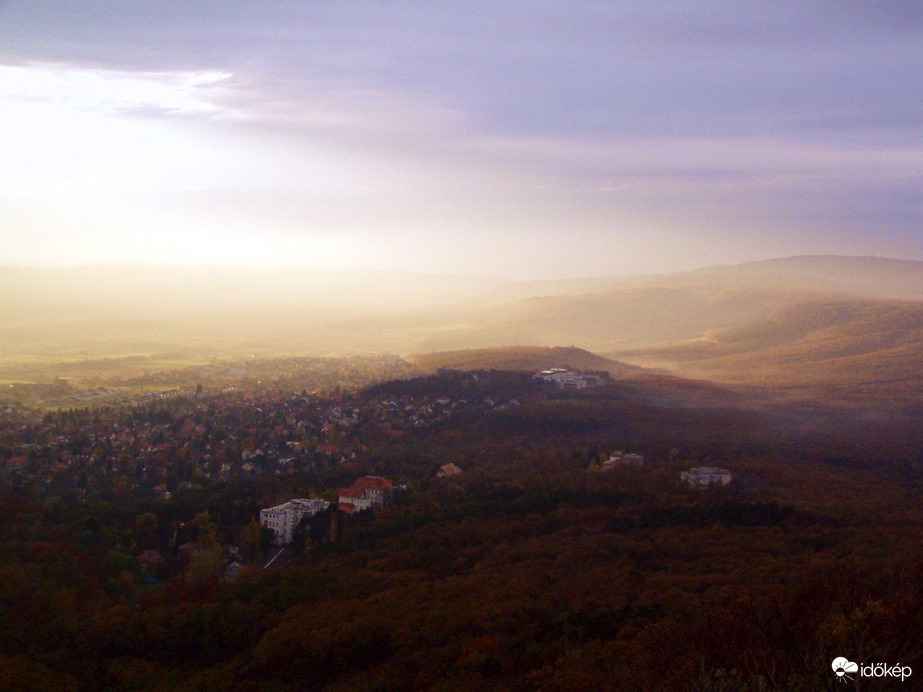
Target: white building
x: 704, y: 476
x: 283, y: 519
x: 569, y: 379
x: 619, y: 459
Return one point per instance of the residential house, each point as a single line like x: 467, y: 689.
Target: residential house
x: 448, y: 470
x: 367, y: 492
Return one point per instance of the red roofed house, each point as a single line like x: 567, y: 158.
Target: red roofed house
x: 367, y: 492
x: 17, y: 462
x: 448, y: 470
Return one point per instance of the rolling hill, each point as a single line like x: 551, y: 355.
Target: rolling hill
x: 528, y: 358
x: 791, y: 320
x: 846, y: 347
x: 661, y: 311
x: 861, y: 277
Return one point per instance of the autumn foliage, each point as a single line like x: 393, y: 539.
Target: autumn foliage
x: 533, y: 569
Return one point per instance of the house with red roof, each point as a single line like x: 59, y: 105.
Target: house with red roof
x: 367, y: 492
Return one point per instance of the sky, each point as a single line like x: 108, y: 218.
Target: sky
x: 544, y: 139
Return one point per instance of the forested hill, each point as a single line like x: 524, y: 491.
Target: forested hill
x: 537, y: 567
x: 531, y: 359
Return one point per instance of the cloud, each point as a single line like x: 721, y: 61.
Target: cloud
x: 117, y: 92
x: 473, y: 117
x: 538, y: 69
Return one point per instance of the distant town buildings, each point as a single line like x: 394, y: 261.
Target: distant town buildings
x: 569, y: 379
x: 704, y: 476
x: 283, y: 518
x: 367, y: 492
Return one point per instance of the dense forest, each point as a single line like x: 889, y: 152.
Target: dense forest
x: 538, y: 567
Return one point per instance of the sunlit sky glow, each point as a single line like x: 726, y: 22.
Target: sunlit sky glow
x: 542, y: 139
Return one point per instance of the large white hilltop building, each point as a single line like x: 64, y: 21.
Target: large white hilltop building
x: 704, y: 476
x: 283, y: 519
x: 569, y: 379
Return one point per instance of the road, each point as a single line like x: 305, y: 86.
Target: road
x: 277, y: 558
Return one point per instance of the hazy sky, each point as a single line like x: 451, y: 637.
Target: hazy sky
x: 522, y: 138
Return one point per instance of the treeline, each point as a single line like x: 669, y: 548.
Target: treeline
x: 455, y: 384
x: 727, y: 513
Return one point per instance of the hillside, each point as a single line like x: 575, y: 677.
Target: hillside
x: 628, y: 317
x: 669, y: 310
x: 528, y: 358
x: 198, y: 313
x: 854, y: 348
x: 860, y: 277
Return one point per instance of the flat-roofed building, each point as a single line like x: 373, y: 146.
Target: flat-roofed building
x: 282, y: 519
x: 569, y: 379
x: 704, y: 476
x: 618, y: 459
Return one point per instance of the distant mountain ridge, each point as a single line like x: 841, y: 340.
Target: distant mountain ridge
x: 716, y: 318
x: 865, y: 277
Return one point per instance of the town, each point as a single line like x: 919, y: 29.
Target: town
x: 166, y: 450
x: 161, y: 444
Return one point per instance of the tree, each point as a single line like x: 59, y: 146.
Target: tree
x: 205, y: 564
x: 250, y: 541
x: 146, y: 527
x: 206, y: 529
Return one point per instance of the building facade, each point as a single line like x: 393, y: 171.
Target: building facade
x: 618, y: 459
x: 704, y: 476
x: 569, y: 379
x: 367, y: 492
x: 282, y: 519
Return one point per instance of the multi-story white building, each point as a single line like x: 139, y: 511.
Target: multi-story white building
x: 283, y: 519
x: 704, y: 476
x: 569, y: 379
